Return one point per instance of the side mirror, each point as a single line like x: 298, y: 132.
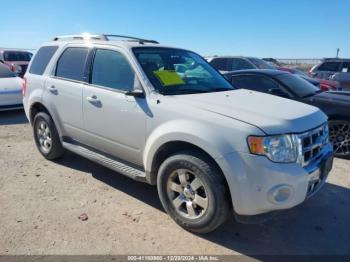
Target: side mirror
x: 136, y: 93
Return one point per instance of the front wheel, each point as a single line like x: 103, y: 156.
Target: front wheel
x: 193, y: 191
x: 339, y: 134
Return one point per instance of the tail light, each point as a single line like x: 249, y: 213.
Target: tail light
x: 24, y: 87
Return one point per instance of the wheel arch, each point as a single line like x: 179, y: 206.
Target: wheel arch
x: 176, y: 146
x: 37, y: 107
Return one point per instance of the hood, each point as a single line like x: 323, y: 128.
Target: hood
x: 272, y: 114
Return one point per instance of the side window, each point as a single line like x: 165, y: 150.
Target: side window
x: 220, y: 64
x: 254, y: 82
x: 71, y: 64
x: 346, y: 67
x: 111, y: 69
x: 329, y: 66
x: 42, y: 59
x: 240, y: 64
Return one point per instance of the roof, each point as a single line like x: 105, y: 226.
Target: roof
x: 269, y: 72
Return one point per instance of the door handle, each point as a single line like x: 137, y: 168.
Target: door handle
x: 53, y: 89
x: 93, y: 99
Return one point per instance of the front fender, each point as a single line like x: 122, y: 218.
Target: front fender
x: 199, y: 134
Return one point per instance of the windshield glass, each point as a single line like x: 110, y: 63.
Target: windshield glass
x: 261, y: 64
x: 176, y: 71
x: 299, y: 86
x: 5, y: 72
x: 17, y: 56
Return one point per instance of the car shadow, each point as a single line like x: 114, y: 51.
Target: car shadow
x: 14, y: 117
x: 317, y: 227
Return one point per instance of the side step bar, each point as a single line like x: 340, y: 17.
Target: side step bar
x: 108, y: 162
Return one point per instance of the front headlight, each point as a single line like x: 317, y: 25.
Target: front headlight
x: 281, y: 148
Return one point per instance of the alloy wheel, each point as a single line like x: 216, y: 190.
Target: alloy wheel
x: 339, y: 133
x: 44, y: 136
x: 187, y: 193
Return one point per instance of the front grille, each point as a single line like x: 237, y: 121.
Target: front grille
x: 312, y: 143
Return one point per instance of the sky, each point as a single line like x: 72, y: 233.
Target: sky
x: 261, y: 28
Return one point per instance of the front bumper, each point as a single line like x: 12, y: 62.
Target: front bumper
x: 259, y: 186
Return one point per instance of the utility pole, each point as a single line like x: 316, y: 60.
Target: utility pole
x: 337, y: 53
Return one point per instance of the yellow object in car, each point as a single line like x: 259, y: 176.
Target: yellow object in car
x: 169, y: 77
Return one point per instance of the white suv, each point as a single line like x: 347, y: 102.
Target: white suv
x: 164, y: 116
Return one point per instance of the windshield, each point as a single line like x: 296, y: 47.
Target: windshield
x: 17, y: 56
x: 261, y: 64
x: 299, y: 86
x: 5, y: 72
x: 176, y: 71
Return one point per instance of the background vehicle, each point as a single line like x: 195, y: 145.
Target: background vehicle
x: 335, y: 104
x: 323, y: 84
x: 17, y: 60
x: 10, y: 89
x: 223, y: 64
x: 164, y: 116
x: 233, y: 63
x: 335, y: 69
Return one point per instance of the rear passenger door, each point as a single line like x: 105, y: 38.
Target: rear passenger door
x: 114, y: 122
x: 64, y: 90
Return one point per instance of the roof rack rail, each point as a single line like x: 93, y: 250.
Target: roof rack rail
x: 132, y: 38
x: 80, y: 37
x: 103, y: 37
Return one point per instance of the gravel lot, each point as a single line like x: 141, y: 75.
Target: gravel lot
x: 40, y: 202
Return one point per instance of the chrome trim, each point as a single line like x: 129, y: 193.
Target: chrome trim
x: 309, y: 141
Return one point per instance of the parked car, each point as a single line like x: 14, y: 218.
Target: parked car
x: 272, y: 61
x: 16, y: 60
x: 323, y: 84
x: 210, y: 149
x: 10, y: 89
x: 232, y: 63
x: 335, y: 69
x: 335, y: 104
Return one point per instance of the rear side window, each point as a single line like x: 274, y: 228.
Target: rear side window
x: 17, y: 56
x: 220, y: 64
x: 240, y: 64
x: 329, y: 66
x: 71, y: 64
x: 41, y: 59
x: 112, y: 70
x: 5, y: 72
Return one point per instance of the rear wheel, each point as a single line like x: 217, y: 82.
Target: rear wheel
x: 339, y: 134
x: 46, y: 136
x: 193, y: 191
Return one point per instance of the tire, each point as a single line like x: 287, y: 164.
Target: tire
x: 339, y: 134
x: 199, y: 206
x: 44, y: 130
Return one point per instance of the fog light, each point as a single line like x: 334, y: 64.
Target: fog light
x: 280, y: 194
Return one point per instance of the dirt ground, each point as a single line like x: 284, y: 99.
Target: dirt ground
x: 40, y: 202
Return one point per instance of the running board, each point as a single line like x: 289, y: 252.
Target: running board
x: 108, y: 162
